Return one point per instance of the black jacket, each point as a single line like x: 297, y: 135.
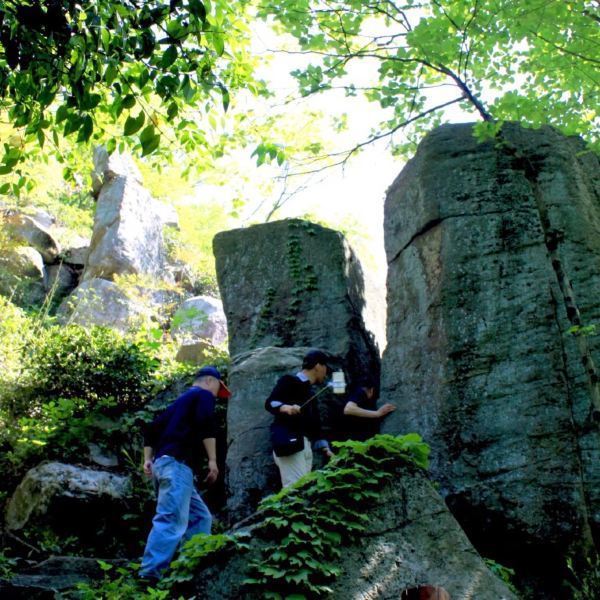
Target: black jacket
x: 291, y: 390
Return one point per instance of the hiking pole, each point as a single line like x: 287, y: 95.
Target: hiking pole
x: 338, y: 383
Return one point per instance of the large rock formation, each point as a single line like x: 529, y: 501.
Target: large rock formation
x: 294, y: 283
x: 127, y: 236
x: 286, y: 287
x: 411, y: 539
x: 494, y: 254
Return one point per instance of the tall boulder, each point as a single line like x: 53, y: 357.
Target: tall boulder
x: 127, y: 234
x: 294, y: 283
x: 287, y: 287
x: 493, y: 252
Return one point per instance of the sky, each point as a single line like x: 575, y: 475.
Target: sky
x: 356, y: 191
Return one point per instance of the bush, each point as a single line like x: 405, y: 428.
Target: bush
x: 90, y: 365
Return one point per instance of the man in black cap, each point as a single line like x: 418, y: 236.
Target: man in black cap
x: 172, y: 452
x: 296, y: 419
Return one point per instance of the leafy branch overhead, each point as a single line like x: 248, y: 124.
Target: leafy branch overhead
x: 533, y: 61
x: 118, y: 72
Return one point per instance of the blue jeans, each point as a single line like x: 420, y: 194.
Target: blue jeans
x: 180, y: 514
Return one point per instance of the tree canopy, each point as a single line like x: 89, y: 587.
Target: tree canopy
x: 533, y: 61
x: 120, y: 72
x: 152, y: 75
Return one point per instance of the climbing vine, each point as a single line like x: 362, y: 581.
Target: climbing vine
x: 301, y: 273
x: 303, y: 280
x: 306, y: 524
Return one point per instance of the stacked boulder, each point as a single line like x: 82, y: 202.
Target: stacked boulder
x: 494, y: 274
x: 32, y: 264
x: 286, y: 286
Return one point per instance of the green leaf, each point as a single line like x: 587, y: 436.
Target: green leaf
x: 150, y: 145
x: 86, y: 129
x: 172, y: 111
x: 61, y: 113
x: 134, y: 124
x: 169, y: 57
x: 4, y: 188
x: 128, y: 101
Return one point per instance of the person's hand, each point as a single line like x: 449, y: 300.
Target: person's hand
x: 386, y: 409
x: 289, y: 409
x: 147, y: 468
x: 213, y: 472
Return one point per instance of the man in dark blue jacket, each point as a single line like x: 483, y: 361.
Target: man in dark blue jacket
x: 172, y: 451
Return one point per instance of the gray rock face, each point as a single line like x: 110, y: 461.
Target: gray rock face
x: 48, y: 482
x: 197, y: 321
x: 56, y: 573
x: 77, y: 252
x: 27, y: 231
x: 102, y: 302
x: 293, y: 283
x: 23, y: 275
x: 61, y: 279
x: 127, y: 235
x: 411, y: 539
x: 493, y: 254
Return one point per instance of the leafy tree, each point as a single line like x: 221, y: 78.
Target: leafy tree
x: 120, y: 72
x: 534, y: 61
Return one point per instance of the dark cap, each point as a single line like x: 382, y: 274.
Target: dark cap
x: 224, y: 391
x: 314, y: 357
x: 366, y: 381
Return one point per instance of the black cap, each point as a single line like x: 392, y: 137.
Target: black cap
x: 314, y: 357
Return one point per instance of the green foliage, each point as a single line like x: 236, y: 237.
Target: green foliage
x: 520, y: 60
x: 306, y: 524
x: 584, y: 330
x: 7, y: 564
x: 200, y: 551
x: 15, y: 334
x: 586, y: 578
x: 504, y: 573
x: 119, y: 583
x: 89, y: 364
x: 120, y: 73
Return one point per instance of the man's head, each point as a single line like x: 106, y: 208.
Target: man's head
x: 315, y: 366
x: 368, y: 384
x: 209, y: 378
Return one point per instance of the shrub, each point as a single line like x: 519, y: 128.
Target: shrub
x: 74, y: 362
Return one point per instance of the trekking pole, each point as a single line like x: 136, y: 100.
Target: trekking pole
x: 338, y: 384
x: 326, y: 387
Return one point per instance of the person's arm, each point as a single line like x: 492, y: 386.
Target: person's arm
x: 276, y: 404
x: 353, y: 410
x: 148, y: 456
x: 210, y: 445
